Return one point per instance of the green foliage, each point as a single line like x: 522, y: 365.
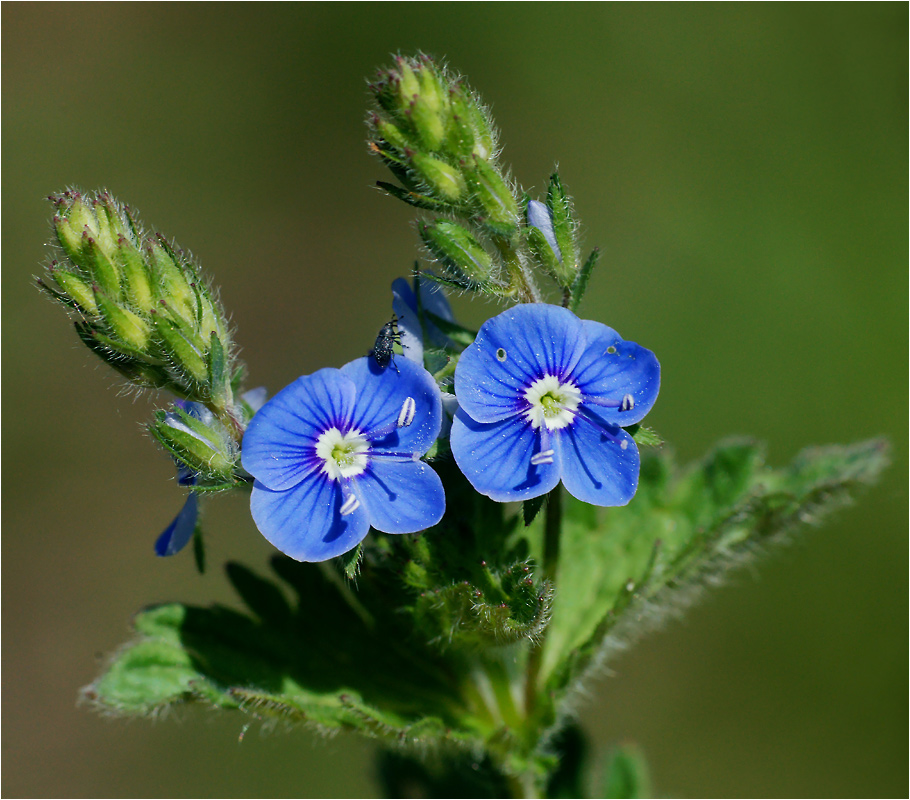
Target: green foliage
x: 429, y: 643
x: 622, y: 569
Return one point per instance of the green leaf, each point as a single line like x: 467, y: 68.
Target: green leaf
x: 644, y: 437
x: 579, y: 287
x: 621, y: 568
x: 531, y: 508
x: 321, y: 660
x: 350, y: 562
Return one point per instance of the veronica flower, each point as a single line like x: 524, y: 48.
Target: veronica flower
x: 338, y: 451
x: 413, y: 333
x: 543, y: 397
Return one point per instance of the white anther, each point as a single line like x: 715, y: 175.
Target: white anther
x: 408, y: 410
x: 543, y: 457
x: 350, y: 505
x: 628, y: 403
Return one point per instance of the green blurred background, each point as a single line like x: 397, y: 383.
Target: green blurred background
x: 744, y: 169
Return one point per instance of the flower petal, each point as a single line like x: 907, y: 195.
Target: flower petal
x: 630, y: 370
x: 413, y: 333
x: 401, y: 497
x: 496, y: 458
x: 278, y: 446
x: 596, y: 468
x: 305, y: 522
x: 404, y: 304
x: 176, y: 535
x: 381, y: 393
x: 511, y: 351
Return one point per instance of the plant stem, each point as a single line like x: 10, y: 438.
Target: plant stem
x: 552, y: 529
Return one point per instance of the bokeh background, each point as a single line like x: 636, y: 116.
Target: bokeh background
x: 744, y: 169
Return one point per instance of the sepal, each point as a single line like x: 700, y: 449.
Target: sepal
x: 461, y: 256
x: 203, y: 446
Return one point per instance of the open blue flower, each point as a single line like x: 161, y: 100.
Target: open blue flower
x: 339, y: 451
x: 543, y: 397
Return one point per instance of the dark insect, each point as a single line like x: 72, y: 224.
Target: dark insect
x: 388, y: 337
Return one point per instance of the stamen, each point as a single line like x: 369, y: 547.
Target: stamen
x: 552, y: 404
x: 543, y: 457
x: 628, y: 403
x: 408, y: 410
x: 343, y: 455
x: 350, y: 505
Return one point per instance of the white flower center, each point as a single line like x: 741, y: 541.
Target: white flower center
x: 344, y: 455
x: 553, y: 404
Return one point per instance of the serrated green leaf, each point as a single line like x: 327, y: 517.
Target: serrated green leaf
x: 644, y: 437
x: 350, y: 562
x: 531, y: 508
x: 681, y: 528
x: 320, y: 661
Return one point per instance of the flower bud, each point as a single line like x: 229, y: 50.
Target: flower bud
x: 183, y: 349
x: 173, y: 287
x: 103, y: 271
x: 495, y: 204
x: 543, y: 244
x: 74, y: 289
x: 135, y: 275
x: 563, y: 223
x: 203, y: 445
x: 458, y: 251
x: 442, y: 179
x: 471, y: 131
x: 127, y: 327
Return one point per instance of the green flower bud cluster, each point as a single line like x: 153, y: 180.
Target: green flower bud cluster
x: 141, y: 303
x: 439, y: 142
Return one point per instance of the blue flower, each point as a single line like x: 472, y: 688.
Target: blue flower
x: 413, y: 333
x: 177, y: 535
x: 543, y: 397
x: 338, y: 451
